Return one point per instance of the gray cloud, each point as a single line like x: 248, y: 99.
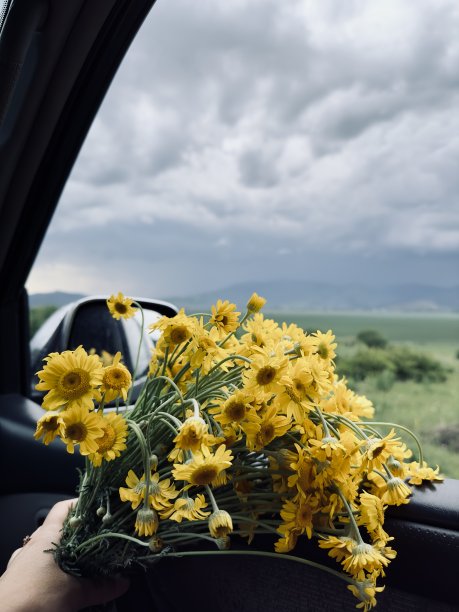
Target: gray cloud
x: 326, y: 131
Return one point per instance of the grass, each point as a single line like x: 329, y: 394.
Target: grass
x: 418, y: 328
x: 431, y: 410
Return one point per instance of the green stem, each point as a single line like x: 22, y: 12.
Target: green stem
x: 139, y: 346
x: 259, y: 553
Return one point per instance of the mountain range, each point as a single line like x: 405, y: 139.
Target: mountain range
x: 298, y: 296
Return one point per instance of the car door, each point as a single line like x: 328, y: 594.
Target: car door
x: 57, y: 60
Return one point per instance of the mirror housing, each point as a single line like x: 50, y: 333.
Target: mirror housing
x: 88, y: 322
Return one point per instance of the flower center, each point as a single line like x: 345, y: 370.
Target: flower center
x: 204, y: 475
x: 116, y: 377
x: 266, y: 375
x: 303, y: 516
x: 50, y: 425
x: 120, y: 307
x: 235, y: 410
x: 107, y: 440
x: 323, y: 350
x: 267, y: 432
x: 74, y: 383
x: 179, y: 334
x: 76, y: 432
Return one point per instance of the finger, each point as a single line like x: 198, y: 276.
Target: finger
x: 14, y: 555
x: 58, y: 512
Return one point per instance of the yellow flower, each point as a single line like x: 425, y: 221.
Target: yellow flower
x: 191, y: 434
x: 234, y: 409
x: 224, y: 317
x: 220, y: 524
x: 81, y: 427
x: 147, y: 522
x: 116, y: 380
x: 255, y: 303
x: 371, y: 511
x: 135, y: 492
x: 188, y: 508
x: 339, y: 548
x: 297, y: 387
x: 265, y: 372
x: 286, y: 543
x: 265, y: 428
x: 378, y: 450
x: 112, y: 442
x: 204, y: 467
x: 48, y: 426
x: 396, y: 493
x: 121, y: 307
x: 346, y: 402
x: 161, y: 492
x: 176, y: 330
x: 418, y: 474
x: 297, y: 515
x: 205, y: 350
x: 365, y: 591
x: 71, y: 379
x: 325, y: 345
x: 364, y: 557
x: 261, y: 332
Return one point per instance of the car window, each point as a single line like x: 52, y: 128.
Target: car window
x: 306, y: 151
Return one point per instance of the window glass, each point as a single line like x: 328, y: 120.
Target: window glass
x: 307, y: 151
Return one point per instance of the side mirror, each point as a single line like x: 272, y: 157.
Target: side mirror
x: 88, y: 322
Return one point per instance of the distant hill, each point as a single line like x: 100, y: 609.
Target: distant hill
x: 298, y: 296
x: 57, y: 298
x: 293, y: 296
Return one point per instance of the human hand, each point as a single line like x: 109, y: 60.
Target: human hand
x: 34, y: 582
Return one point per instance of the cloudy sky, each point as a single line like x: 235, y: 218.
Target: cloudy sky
x: 266, y: 139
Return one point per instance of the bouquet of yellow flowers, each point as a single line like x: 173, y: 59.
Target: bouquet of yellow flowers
x: 242, y: 427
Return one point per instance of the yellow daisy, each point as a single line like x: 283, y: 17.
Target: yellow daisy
x: 365, y: 591
x: 71, y: 379
x: 265, y: 372
x: 80, y: 426
x: 205, y: 466
x: 113, y: 439
x: 191, y: 434
x: 121, y: 307
x: 48, y: 426
x: 116, y: 380
x: 224, y: 317
x: 419, y: 473
x: 234, y: 409
x: 188, y: 508
x: 265, y: 428
x: 147, y: 522
x: 176, y: 330
x: 298, y: 515
x: 205, y: 350
x: 255, y: 303
x: 364, y: 557
x: 220, y: 524
x: 325, y: 345
x: 135, y: 491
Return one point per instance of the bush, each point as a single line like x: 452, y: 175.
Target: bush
x: 409, y: 365
x: 372, y: 338
x: 366, y: 362
x: 38, y: 315
x: 388, y: 365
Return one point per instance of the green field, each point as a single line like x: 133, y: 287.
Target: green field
x: 418, y: 328
x: 429, y: 409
